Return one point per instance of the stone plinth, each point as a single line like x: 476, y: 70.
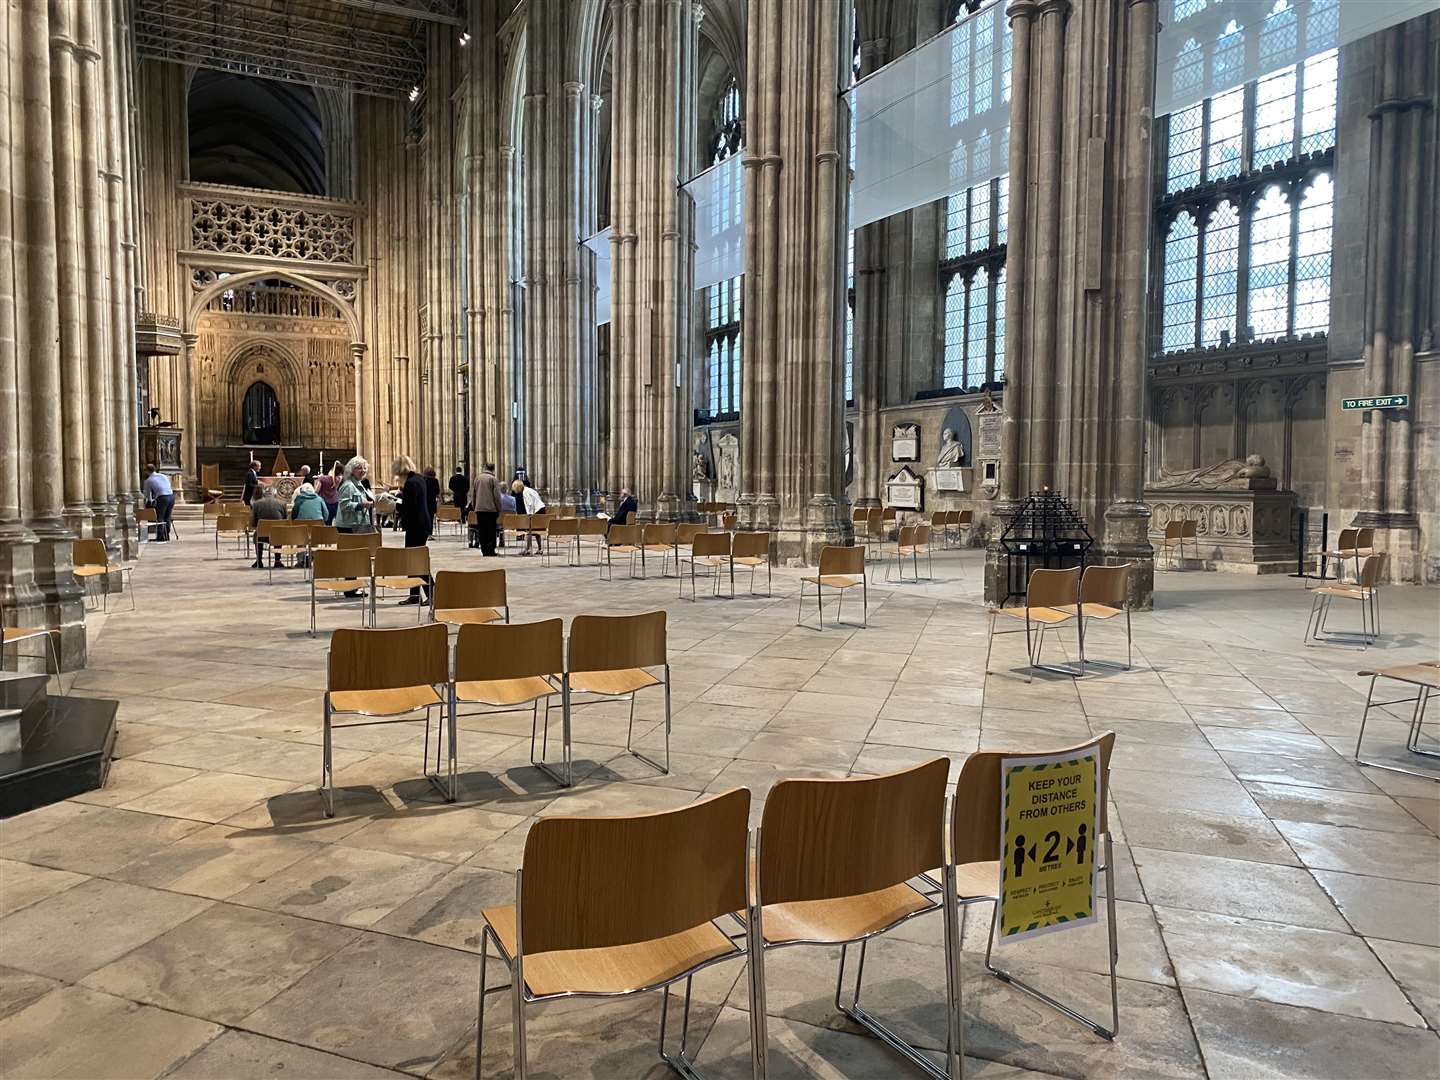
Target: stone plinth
x: 1240, y: 532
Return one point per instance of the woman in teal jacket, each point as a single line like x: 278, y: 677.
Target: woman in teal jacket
x: 355, y: 500
x: 308, y: 506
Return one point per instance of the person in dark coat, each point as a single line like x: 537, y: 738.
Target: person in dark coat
x: 415, y: 517
x: 627, y: 507
x: 460, y: 490
x: 432, y: 494
x: 252, y: 480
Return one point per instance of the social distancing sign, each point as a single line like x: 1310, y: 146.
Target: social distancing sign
x: 1047, y: 843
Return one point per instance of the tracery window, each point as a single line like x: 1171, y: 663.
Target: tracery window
x: 729, y: 126
x: 1245, y: 214
x: 722, y: 348
x: 972, y: 280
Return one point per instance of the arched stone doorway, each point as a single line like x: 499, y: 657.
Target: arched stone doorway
x: 260, y: 415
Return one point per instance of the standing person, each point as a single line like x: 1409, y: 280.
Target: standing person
x: 528, y: 501
x: 304, y: 474
x: 264, y: 506
x: 414, y: 513
x: 252, y: 481
x: 485, y: 501
x: 432, y: 495
x: 160, y: 495
x: 353, y: 500
x: 328, y: 488
x: 459, y: 490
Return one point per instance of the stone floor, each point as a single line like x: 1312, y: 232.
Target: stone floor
x: 1279, y: 908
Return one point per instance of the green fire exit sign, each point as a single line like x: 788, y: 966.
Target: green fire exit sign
x: 1392, y: 401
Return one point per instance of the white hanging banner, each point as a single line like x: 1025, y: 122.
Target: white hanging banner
x: 934, y: 122
x: 719, y: 221
x: 600, y: 245
x: 1206, y: 47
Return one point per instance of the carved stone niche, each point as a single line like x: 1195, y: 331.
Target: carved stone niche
x: 1242, y: 520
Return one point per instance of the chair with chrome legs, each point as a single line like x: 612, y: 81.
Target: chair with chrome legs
x: 403, y: 568
x: 562, y: 534
x: 387, y: 676
x: 1347, y: 547
x: 620, y: 540
x: 1105, y: 594
x: 912, y: 542
x: 590, y: 532
x: 91, y: 560
x: 610, y: 907
x: 839, y: 862
x: 658, y: 539
x: 465, y: 597
x: 1366, y: 590
x: 509, y: 665
x: 752, y: 550
x: 13, y: 635
x: 712, y: 551
x: 842, y: 569
x: 235, y: 525
x: 608, y: 657
x: 342, y: 572
x: 975, y: 851
x: 685, y: 534
x: 1052, y: 598
x: 288, y: 538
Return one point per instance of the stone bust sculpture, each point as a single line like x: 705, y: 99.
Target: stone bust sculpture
x: 952, y: 454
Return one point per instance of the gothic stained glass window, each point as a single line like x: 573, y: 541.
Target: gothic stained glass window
x: 1179, y: 297
x: 972, y: 275
x: 722, y: 347
x: 1312, y: 256
x: 1220, y: 272
x: 1270, y: 229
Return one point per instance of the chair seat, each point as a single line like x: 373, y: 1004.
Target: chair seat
x: 392, y: 702
x: 921, y: 550
x: 615, y: 969
x: 23, y: 633
x: 750, y: 560
x: 1351, y: 592
x: 833, y: 581
x: 843, y: 919
x: 623, y: 549
x: 93, y: 571
x: 709, y: 560
x: 977, y: 879
x: 1038, y: 614
x: 621, y: 681
x: 504, y: 691
x: 1101, y: 611
x: 1343, y: 553
x: 291, y: 549
x: 461, y: 616
x: 340, y: 584
x: 659, y: 547
x: 400, y: 582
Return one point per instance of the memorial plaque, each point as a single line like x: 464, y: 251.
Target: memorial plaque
x: 989, y: 441
x: 904, y: 490
x: 948, y: 479
x: 905, y: 442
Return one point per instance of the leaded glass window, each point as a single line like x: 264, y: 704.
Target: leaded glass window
x: 722, y: 347
x: 972, y: 275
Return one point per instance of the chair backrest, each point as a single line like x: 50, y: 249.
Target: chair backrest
x: 1191, y: 530
x: 593, y: 526
x: 233, y: 523
x: 289, y: 534
x: 859, y: 514
x: 624, y: 534
x: 836, y: 560
x: 515, y: 522
x: 975, y: 814
x: 1108, y: 585
x: 145, y: 514
x: 889, y: 513
x: 1347, y: 540
x: 90, y: 553
x: 605, y: 881
x: 686, y: 533
x: 210, y: 476
x: 489, y: 651
x: 1372, y: 570
x: 402, y: 561
x: 940, y: 518
x: 1053, y: 588
x: 469, y: 589
x: 341, y: 563
x: 708, y: 544
x: 447, y: 513
x: 214, y: 509
x: 967, y: 517
x: 1174, y: 530
x: 566, y: 510
x: 389, y: 659
x: 909, y: 535
x: 370, y: 541
x: 922, y: 535
x: 823, y: 839
x: 727, y: 521
x: 875, y: 521
x: 564, y: 526
x: 660, y: 535
x: 265, y: 526
x: 322, y: 535
x: 751, y: 545
x: 615, y: 642
x: 1365, y: 541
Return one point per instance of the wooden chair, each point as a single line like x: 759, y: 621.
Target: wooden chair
x: 912, y: 542
x: 563, y: 533
x: 387, y: 676
x: 1366, y: 590
x: 340, y: 571
x: 608, y: 657
x: 506, y: 666
x: 842, y: 569
x: 1105, y: 594
x: 13, y: 635
x: 448, y: 514
x: 609, y: 907
x: 370, y: 541
x: 839, y: 862
x: 470, y: 597
x: 403, y: 568
x: 713, y: 552
x: 145, y: 521
x: 518, y: 525
x: 1349, y: 546
x: 685, y: 534
x: 212, y: 511
x: 974, y: 845
x: 92, y: 562
x: 235, y: 525
x: 591, y: 532
x: 751, y: 549
x: 624, y: 540
x: 658, y: 539
x: 963, y: 521
x: 940, y: 525
x: 1425, y: 678
x: 875, y: 533
x: 210, y: 483
x: 288, y: 539
x: 1052, y: 597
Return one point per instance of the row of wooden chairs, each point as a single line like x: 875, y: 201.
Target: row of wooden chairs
x: 714, y: 554
x: 1054, y: 597
x: 834, y: 862
x: 387, y: 676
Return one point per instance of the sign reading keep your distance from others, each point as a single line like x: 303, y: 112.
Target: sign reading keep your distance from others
x: 1048, y: 828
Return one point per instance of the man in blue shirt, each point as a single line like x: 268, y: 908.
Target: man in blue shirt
x: 160, y: 496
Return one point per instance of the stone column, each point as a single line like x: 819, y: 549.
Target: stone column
x: 866, y: 454
x: 796, y: 206
x: 1077, y: 270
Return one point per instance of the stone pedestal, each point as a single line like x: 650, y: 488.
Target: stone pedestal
x: 1126, y: 541
x: 1240, y: 532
